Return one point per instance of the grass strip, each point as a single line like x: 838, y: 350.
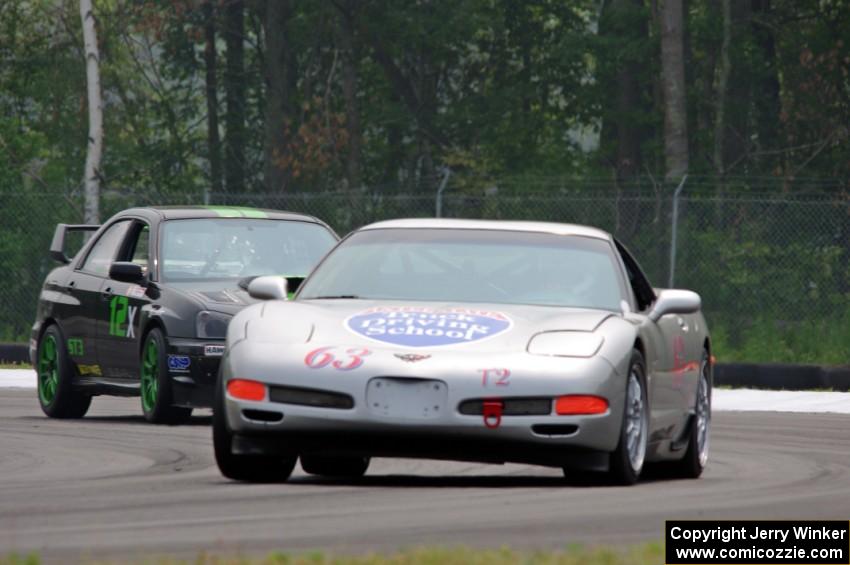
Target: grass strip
x: 644, y: 554
x: 15, y: 366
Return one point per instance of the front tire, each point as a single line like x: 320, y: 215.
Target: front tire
x: 626, y: 461
x: 348, y: 467
x: 247, y: 468
x: 55, y: 373
x: 155, y: 383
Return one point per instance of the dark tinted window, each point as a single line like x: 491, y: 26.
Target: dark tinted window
x: 641, y: 288
x: 141, y: 246
x: 105, y: 249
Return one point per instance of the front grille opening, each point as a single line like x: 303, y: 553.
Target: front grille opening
x: 554, y: 429
x: 310, y: 397
x: 521, y: 406
x: 262, y: 415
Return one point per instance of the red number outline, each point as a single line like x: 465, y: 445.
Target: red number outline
x: 502, y: 376
x: 311, y: 358
x: 323, y: 356
x: 356, y: 355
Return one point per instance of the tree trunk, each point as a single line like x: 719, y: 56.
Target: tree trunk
x: 94, y: 150
x: 234, y: 90
x: 395, y: 147
x: 349, y: 92
x: 426, y: 91
x: 736, y: 143
x: 720, y: 94
x: 703, y: 113
x: 625, y: 20
x: 767, y: 102
x: 673, y: 87
x: 213, y: 141
x: 278, y: 95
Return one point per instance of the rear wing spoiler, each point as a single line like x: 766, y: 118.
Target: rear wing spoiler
x: 57, y: 246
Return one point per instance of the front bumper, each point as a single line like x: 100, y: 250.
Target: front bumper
x: 193, y: 367
x: 548, y: 439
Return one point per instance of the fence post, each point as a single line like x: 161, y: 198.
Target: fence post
x: 675, y: 231
x: 447, y: 172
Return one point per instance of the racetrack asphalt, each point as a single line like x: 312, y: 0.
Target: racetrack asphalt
x: 112, y: 486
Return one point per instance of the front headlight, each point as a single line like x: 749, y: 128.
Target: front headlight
x: 211, y: 325
x: 565, y: 344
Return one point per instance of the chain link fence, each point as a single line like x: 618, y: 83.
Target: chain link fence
x: 772, y: 268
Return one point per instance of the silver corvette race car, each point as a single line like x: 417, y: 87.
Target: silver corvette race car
x: 469, y: 340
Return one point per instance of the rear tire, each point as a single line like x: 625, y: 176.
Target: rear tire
x: 155, y: 383
x: 693, y: 463
x: 626, y: 461
x: 247, y: 468
x: 55, y: 374
x: 349, y: 467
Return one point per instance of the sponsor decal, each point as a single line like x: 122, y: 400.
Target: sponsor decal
x: 121, y: 317
x: 179, y: 363
x: 411, y: 357
x: 75, y: 347
x: 350, y: 359
x: 136, y: 291
x: 495, y: 377
x: 89, y: 370
x: 213, y: 350
x: 428, y: 327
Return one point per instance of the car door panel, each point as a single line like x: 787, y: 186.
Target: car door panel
x: 667, y: 347
x: 119, y: 328
x: 669, y: 382
x: 73, y: 313
x: 80, y: 323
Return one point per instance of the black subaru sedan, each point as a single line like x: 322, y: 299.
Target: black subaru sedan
x: 143, y: 307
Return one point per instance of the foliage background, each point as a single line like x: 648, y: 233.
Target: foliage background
x: 355, y: 110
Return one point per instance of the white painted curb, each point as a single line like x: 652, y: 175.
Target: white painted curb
x: 724, y: 400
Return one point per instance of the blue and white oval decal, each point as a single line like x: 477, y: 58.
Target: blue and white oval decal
x: 415, y: 326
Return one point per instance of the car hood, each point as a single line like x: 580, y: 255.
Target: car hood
x: 218, y: 296
x: 416, y: 325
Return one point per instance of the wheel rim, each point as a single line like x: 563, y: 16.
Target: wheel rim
x: 150, y: 372
x: 635, y: 423
x: 48, y: 370
x: 703, y: 415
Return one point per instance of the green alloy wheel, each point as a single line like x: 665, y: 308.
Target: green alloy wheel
x: 56, y: 394
x: 48, y: 370
x: 155, y: 383
x: 150, y: 370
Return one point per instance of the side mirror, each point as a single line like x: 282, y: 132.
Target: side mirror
x: 675, y: 302
x: 126, y: 271
x: 268, y: 288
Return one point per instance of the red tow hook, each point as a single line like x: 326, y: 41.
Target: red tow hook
x: 492, y: 413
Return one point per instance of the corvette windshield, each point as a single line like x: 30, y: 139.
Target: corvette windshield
x: 233, y: 248
x: 462, y: 265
